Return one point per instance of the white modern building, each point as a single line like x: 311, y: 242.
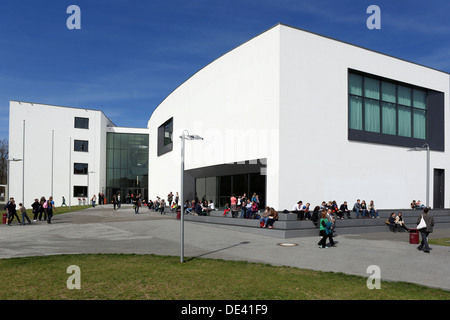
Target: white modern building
x: 289, y: 115
x: 293, y: 115
x: 73, y: 153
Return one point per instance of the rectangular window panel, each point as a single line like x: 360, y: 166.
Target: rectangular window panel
x: 165, y: 139
x: 404, y: 121
x: 80, y: 168
x: 371, y: 88
x: 389, y: 92
x: 355, y: 84
x: 419, y: 124
x: 419, y: 99
x: 388, y: 107
x: 168, y: 128
x: 81, y: 145
x: 404, y: 96
x: 355, y: 109
x: 80, y: 191
x: 81, y: 123
x: 372, y: 115
x: 389, y: 118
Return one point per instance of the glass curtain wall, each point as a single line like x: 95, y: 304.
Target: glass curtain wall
x: 126, y: 165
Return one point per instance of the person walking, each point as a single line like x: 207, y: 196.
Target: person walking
x: 63, y: 202
x: 50, y: 208
x: 323, y: 230
x: 24, y: 214
x: 426, y: 229
x: 114, y: 201
x: 11, y: 211
x: 36, y: 206
x: 42, y: 208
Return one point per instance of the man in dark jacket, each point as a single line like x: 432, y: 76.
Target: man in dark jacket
x: 11, y: 211
x: 424, y: 232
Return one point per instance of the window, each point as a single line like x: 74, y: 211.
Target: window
x: 80, y: 191
x: 387, y: 107
x: 81, y: 123
x: 80, y: 168
x: 165, y: 137
x: 81, y: 145
x: 168, y: 127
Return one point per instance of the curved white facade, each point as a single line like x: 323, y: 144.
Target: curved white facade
x: 282, y: 97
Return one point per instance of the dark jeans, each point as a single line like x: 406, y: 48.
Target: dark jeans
x: 49, y: 216
x: 424, y: 244
x: 325, y: 236
x: 42, y: 212
x: 11, y: 216
x: 25, y: 216
x: 323, y: 241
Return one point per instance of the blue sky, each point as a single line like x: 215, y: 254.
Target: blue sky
x: 129, y: 55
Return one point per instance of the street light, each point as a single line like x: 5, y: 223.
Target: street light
x: 184, y: 137
x: 427, y: 148
x: 88, y: 184
x: 7, y: 177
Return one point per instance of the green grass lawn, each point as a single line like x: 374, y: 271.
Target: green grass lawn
x: 136, y: 277
x: 440, y: 242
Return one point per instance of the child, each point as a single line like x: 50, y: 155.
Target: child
x: 24, y: 214
x: 226, y: 210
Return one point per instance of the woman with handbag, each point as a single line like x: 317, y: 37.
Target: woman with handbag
x: 425, y: 224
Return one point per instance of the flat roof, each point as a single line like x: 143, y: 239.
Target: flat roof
x: 52, y: 105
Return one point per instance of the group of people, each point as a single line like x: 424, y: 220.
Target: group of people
x: 199, y: 208
x: 268, y: 218
x: 396, y: 222
x: 248, y: 206
x: 326, y: 228
x: 417, y: 205
x: 303, y: 211
x: 42, y: 208
x: 425, y: 224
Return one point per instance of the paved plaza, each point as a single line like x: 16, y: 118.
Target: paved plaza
x: 104, y: 230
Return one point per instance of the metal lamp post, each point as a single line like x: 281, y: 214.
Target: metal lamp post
x: 88, y: 190
x: 184, y: 136
x: 427, y: 148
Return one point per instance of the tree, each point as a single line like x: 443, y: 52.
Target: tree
x: 3, y: 161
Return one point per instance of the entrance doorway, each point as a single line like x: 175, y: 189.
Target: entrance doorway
x: 438, y: 188
x: 127, y: 194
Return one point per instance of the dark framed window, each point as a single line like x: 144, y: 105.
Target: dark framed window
x: 165, y: 137
x: 80, y: 191
x: 80, y: 168
x: 81, y: 123
x: 384, y: 106
x: 386, y: 111
x: 81, y: 145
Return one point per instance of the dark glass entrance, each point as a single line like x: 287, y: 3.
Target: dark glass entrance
x: 218, y: 183
x: 126, y: 166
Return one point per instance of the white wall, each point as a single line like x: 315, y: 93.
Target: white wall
x: 285, y: 94
x: 322, y: 163
x: 44, y: 123
x: 233, y: 104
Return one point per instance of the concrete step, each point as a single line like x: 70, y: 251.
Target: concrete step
x: 288, y: 227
